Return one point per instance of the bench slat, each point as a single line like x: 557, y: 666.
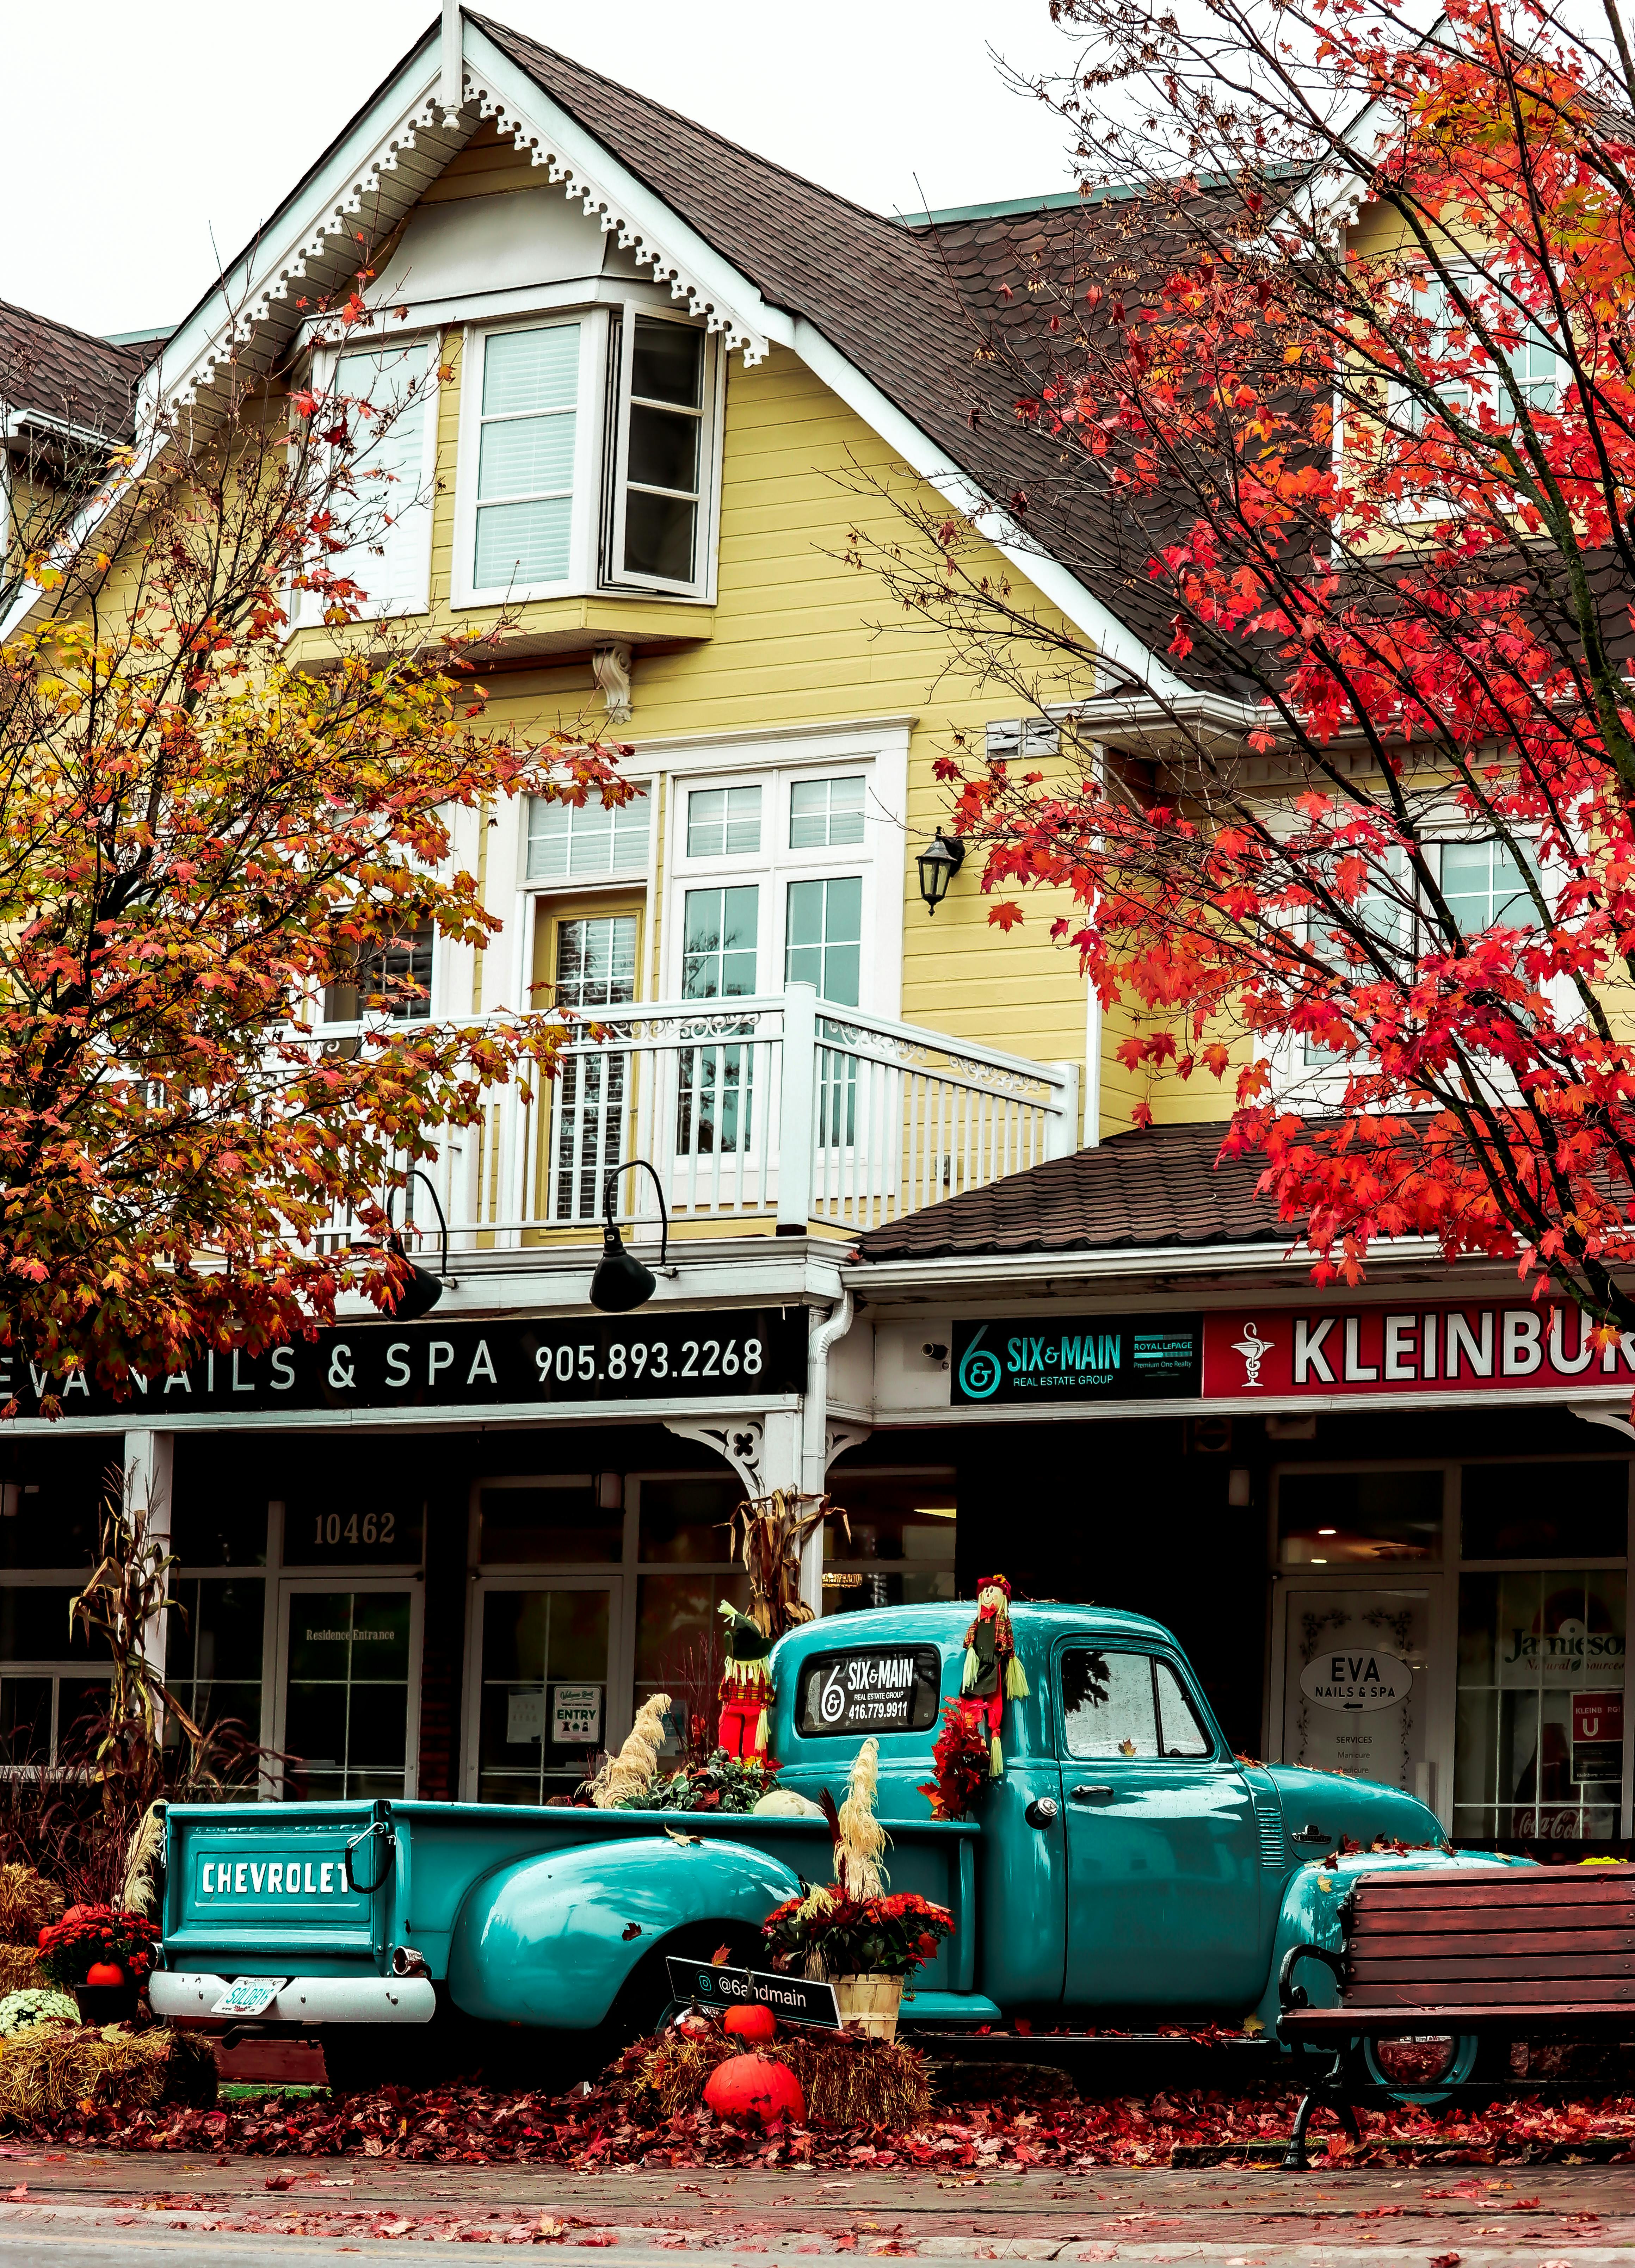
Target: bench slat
x: 1430, y: 1976
x: 1547, y: 1886
x: 1453, y: 2017
x: 1536, y: 1947
x: 1535, y: 1921
x: 1543, y: 1991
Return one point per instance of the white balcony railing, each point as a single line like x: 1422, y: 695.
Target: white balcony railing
x: 785, y: 1106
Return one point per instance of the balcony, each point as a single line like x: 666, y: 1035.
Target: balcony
x: 779, y: 1113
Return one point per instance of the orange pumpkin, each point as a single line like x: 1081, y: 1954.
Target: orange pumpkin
x: 754, y: 2023
x: 755, y: 2087
x: 106, y: 1973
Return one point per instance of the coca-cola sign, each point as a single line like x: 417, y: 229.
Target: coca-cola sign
x: 1276, y: 1354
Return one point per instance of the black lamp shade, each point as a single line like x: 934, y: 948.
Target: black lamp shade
x: 621, y: 1282
x: 938, y: 863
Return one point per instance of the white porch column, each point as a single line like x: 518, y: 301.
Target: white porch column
x: 149, y: 1460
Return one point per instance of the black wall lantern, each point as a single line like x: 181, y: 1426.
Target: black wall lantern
x: 621, y: 1282
x: 938, y: 863
x: 425, y: 1289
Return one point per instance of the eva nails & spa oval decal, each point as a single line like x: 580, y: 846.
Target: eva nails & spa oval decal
x: 1358, y: 1677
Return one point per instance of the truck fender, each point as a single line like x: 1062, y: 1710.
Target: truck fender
x: 1310, y: 1915
x: 550, y: 1940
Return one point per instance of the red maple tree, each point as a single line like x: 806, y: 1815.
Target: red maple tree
x: 1338, y: 386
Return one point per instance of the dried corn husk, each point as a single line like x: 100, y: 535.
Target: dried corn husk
x: 862, y: 1838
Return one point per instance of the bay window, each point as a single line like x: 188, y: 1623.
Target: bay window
x: 386, y: 519
x: 587, y: 458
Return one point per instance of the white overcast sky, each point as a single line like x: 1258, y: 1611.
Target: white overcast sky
x: 151, y: 133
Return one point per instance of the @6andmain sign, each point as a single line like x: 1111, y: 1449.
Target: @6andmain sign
x: 1356, y: 1677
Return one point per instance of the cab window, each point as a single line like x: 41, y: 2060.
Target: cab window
x: 1126, y: 1705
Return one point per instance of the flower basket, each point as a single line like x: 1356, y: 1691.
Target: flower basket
x: 869, y: 2004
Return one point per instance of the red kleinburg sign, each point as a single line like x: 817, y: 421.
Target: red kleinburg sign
x: 1276, y: 1354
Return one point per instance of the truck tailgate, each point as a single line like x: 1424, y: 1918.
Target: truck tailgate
x: 304, y: 1889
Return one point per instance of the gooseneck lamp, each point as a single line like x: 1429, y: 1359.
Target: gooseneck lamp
x: 621, y: 1282
x: 938, y: 863
x: 425, y: 1289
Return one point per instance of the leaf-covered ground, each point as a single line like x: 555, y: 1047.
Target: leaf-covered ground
x: 1026, y: 2119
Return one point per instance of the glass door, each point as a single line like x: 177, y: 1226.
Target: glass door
x: 1356, y: 1679
x: 595, y: 970
x: 347, y: 1722
x: 538, y: 1711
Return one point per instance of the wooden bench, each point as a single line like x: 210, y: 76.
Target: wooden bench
x: 1505, y: 1951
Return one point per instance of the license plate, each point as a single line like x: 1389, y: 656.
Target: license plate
x: 249, y: 1996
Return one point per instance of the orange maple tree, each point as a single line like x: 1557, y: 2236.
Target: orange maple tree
x: 205, y: 822
x: 1335, y: 368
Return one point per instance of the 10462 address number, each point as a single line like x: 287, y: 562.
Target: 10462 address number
x: 626, y: 1361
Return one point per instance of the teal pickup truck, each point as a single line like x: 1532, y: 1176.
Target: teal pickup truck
x: 1127, y: 1870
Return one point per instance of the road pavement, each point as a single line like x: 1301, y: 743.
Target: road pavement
x: 100, y: 2209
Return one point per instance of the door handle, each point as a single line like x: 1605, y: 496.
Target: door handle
x: 1092, y: 1794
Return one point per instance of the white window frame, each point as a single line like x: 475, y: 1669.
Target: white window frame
x: 774, y: 865
x: 702, y: 584
x: 576, y: 886
x: 326, y: 361
x: 592, y: 323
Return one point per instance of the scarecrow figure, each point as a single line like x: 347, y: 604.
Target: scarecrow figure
x: 992, y: 1673
x: 746, y: 1690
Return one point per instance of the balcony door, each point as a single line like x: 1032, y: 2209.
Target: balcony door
x: 592, y: 973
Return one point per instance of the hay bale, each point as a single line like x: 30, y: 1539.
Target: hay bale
x: 27, y: 1903
x: 51, y: 2071
x: 20, y: 1971
x: 850, y: 2081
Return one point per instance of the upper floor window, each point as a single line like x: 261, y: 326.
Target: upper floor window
x: 386, y: 516
x: 723, y: 822
x: 586, y: 456
x: 1534, y: 360
x: 1485, y: 888
x: 825, y: 815
x: 656, y: 537
x: 590, y: 841
x: 396, y: 982
x: 528, y: 450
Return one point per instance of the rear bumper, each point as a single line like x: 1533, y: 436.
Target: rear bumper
x: 304, y: 2000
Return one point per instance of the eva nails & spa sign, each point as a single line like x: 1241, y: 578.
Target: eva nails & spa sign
x: 1369, y: 1353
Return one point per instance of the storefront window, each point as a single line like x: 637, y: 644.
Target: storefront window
x: 897, y: 1546
x: 678, y: 1635
x: 51, y: 1497
x: 220, y: 1491
x: 547, y: 1523
x: 1359, y: 1520
x: 688, y: 1520
x: 213, y: 1652
x: 1523, y: 1511
x: 545, y: 1662
x: 1539, y: 1752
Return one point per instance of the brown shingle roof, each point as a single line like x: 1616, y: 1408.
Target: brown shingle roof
x: 1156, y: 1186
x: 59, y: 372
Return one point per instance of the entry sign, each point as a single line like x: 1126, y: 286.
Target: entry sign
x: 576, y: 1715
x: 1597, y: 1740
x: 797, y: 2000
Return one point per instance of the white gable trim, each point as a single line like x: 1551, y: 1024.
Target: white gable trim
x: 696, y: 273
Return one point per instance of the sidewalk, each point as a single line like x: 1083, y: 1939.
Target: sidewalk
x: 94, y: 2206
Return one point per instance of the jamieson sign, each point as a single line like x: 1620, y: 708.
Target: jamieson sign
x: 1287, y: 1354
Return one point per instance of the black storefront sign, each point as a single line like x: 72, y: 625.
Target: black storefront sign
x: 795, y: 1999
x: 1078, y: 1358
x: 717, y: 1355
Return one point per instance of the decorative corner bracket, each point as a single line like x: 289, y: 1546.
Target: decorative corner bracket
x: 611, y: 666
x: 739, y: 1439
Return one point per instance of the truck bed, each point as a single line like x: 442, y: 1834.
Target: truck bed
x: 264, y: 1887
